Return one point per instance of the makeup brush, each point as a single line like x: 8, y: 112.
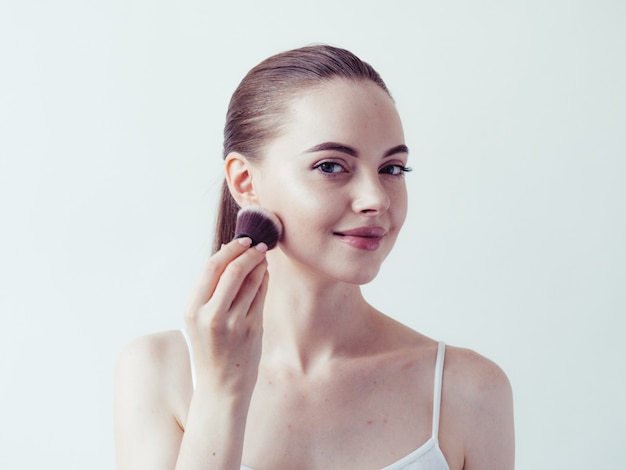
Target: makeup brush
x: 258, y: 224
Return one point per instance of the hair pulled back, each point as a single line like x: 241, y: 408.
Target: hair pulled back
x: 257, y: 106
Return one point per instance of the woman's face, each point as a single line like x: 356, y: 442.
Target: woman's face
x: 335, y: 178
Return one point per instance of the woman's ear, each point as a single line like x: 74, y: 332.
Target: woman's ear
x: 239, y: 179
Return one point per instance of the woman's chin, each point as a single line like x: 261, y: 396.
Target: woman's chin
x: 362, y: 277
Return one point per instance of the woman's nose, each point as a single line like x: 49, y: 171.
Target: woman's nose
x: 370, y: 196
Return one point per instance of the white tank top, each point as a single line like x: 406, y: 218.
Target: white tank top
x: 428, y: 456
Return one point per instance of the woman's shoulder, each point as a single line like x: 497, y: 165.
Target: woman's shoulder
x: 473, y: 375
x: 477, y: 405
x: 154, y: 362
x: 470, y: 380
x: 461, y: 366
x: 476, y: 421
x: 151, y: 398
x: 154, y: 350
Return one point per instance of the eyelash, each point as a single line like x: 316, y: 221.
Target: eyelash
x: 402, y: 169
x: 321, y: 165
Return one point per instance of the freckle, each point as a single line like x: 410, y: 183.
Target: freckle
x: 213, y: 454
x: 237, y: 365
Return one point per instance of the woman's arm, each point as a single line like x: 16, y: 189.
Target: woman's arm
x: 147, y: 433
x: 224, y: 321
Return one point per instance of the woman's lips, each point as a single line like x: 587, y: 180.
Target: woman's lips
x: 364, y: 238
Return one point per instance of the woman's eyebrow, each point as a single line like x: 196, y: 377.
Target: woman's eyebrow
x: 352, y: 151
x: 397, y: 149
x: 334, y: 146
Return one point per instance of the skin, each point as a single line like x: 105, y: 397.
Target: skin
x: 294, y: 368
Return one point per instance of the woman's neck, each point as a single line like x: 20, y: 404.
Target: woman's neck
x: 309, y: 320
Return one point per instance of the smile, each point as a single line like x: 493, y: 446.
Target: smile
x: 363, y: 238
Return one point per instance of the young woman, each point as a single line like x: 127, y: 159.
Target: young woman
x: 283, y: 364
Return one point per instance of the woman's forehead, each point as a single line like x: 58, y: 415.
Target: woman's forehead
x: 343, y: 110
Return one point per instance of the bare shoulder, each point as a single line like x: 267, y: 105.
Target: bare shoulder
x: 150, y: 357
x: 150, y: 391
x: 474, y: 376
x: 153, y: 347
x: 477, y: 410
x: 156, y: 364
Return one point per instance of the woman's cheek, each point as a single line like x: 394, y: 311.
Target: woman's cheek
x: 297, y: 193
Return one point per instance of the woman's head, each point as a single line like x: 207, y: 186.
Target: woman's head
x: 257, y: 110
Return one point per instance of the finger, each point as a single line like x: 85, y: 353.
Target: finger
x: 213, y: 269
x: 240, y: 280
x: 241, y: 303
x: 255, y: 312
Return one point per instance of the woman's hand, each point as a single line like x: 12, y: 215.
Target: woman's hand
x: 224, y: 319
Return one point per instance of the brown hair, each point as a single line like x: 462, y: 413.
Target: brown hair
x: 257, y: 105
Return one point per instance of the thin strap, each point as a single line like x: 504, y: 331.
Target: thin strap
x: 193, y: 369
x: 441, y: 352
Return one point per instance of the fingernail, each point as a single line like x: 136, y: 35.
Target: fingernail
x: 261, y: 247
x: 244, y: 241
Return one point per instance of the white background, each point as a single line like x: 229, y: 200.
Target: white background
x: 111, y: 115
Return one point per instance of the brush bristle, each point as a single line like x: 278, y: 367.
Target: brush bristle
x: 259, y: 224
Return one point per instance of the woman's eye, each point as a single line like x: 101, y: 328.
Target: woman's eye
x: 330, y: 167
x: 395, y: 170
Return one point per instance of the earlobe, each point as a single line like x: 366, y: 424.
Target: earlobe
x: 239, y: 179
